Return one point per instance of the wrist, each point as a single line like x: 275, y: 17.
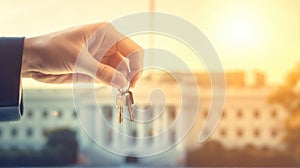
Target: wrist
x: 28, y: 57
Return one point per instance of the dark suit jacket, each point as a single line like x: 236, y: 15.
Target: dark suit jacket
x: 11, y: 51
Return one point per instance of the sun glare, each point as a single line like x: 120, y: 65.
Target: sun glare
x: 240, y: 31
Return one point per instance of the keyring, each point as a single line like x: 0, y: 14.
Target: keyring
x: 122, y: 90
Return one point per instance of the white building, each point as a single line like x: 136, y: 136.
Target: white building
x: 247, y: 120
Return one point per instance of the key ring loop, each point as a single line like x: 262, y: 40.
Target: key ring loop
x: 124, y: 90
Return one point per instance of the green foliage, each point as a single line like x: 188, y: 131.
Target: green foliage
x: 60, y: 149
x: 288, y: 96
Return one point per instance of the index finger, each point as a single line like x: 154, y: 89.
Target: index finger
x: 128, y: 48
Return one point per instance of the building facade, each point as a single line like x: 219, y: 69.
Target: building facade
x: 247, y: 119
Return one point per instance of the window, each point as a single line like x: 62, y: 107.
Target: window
x: 256, y: 113
x: 29, y: 132
x: 107, y: 112
x: 205, y: 113
x: 256, y: 133
x: 45, y: 132
x: 45, y: 114
x: 133, y: 137
x: 273, y: 113
x: 74, y: 114
x: 224, y: 113
x: 131, y: 159
x: 29, y: 113
x: 109, y: 137
x: 172, y: 137
x: 239, y: 133
x: 14, y: 132
x: 150, y: 136
x: 223, y: 132
x: 239, y: 113
x: 172, y: 112
x: 274, y: 133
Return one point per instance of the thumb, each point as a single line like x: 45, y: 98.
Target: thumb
x: 110, y: 76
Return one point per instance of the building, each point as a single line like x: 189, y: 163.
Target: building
x: 247, y: 119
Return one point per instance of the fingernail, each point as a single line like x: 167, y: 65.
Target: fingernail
x: 119, y: 81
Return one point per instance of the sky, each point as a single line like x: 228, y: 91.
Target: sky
x: 248, y: 35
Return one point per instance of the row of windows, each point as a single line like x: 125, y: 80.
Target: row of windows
x: 47, y: 114
x: 29, y: 132
x: 240, y: 113
x: 172, y: 136
x: 133, y: 137
x: 255, y: 132
x: 108, y: 110
x: 172, y: 112
x: 14, y: 132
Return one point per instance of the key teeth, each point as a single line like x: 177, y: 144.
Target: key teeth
x: 120, y: 110
x: 120, y: 117
x: 130, y: 110
x: 125, y: 98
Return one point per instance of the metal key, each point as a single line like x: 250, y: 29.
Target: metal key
x: 129, y: 102
x: 120, y: 102
x: 131, y: 97
x: 120, y: 114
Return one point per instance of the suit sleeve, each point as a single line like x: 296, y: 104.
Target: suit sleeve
x: 11, y: 104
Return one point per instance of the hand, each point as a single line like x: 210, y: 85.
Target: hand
x: 90, y: 51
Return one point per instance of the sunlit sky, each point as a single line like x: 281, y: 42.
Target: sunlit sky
x: 247, y: 34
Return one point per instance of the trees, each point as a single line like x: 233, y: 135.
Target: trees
x: 61, y: 149
x: 288, y: 96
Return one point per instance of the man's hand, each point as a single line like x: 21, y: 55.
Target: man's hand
x: 93, y: 50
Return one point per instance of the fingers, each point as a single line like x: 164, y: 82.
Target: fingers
x: 110, y: 76
x: 109, y: 47
x: 134, y: 53
x: 81, y: 78
x: 86, y: 64
x: 105, y: 74
x: 120, y: 63
x: 136, y: 66
x: 61, y: 79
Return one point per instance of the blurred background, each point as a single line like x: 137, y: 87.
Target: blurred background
x: 258, y: 43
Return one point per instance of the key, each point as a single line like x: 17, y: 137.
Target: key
x: 129, y: 102
x: 131, y: 97
x: 120, y: 102
x: 120, y: 114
